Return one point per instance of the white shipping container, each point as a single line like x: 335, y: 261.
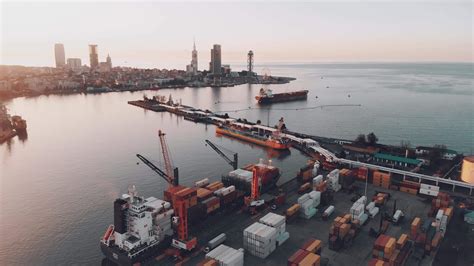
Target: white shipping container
x: 329, y: 210
x: 428, y: 192
x: 317, y: 180
x: 202, y: 183
x: 439, y: 215
x: 303, y: 198
x: 429, y: 187
x: 370, y: 206
x: 374, y: 212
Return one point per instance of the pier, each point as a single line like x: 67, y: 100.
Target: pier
x: 308, y: 144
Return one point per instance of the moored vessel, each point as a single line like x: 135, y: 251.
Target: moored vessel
x: 267, y: 96
x: 257, y: 134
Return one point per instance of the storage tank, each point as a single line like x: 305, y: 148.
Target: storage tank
x: 467, y: 172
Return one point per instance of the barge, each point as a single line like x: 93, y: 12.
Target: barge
x: 266, y: 96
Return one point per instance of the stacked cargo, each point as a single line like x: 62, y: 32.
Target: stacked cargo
x: 429, y: 190
x: 380, y: 199
x: 308, y: 171
x: 441, y: 201
x: 317, y: 181
x: 346, y: 178
x: 279, y: 223
x: 304, y: 188
x: 333, y: 180
x: 390, y: 251
x: 189, y: 195
x: 313, y: 245
x: 203, y: 194
x: 260, y: 239
x: 316, y: 197
x: 292, y: 211
x: 410, y: 187
x: 362, y: 173
x: 357, y: 209
x: 415, y: 225
x: 241, y: 174
x: 215, y: 186
x: 211, y: 204
x: 426, y: 235
x: 381, y: 179
x: 226, y: 256
x: 202, y: 183
x: 341, y: 233
x: 307, y: 206
x: 226, y: 195
x: 304, y: 258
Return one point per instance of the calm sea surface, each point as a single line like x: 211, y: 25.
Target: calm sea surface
x: 57, y: 186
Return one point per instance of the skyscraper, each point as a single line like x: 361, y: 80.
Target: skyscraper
x: 74, y: 63
x: 193, y: 67
x: 109, y: 61
x: 93, y: 56
x: 216, y: 62
x: 59, y: 55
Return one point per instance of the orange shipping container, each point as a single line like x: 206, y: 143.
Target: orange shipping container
x: 293, y: 209
x: 310, y: 260
x: 402, y: 241
x: 312, y: 245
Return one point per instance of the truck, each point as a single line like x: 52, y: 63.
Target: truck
x: 216, y: 241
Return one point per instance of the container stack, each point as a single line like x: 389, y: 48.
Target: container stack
x: 316, y: 197
x: 303, y: 258
x: 333, y: 180
x: 226, y: 195
x: 260, y: 239
x: 313, y: 245
x: 304, y: 188
x: 203, y: 194
x: 429, y: 190
x: 292, y: 211
x: 362, y: 173
x: 241, y: 174
x: 380, y: 199
x: 342, y: 232
x: 212, y: 204
x: 225, y: 256
x: 442, y: 201
x: 317, y: 181
x: 381, y: 179
x: 390, y: 251
x: 307, y: 209
x: 357, y: 209
x: 410, y: 187
x: 202, y: 183
x: 215, y: 186
x: 346, y: 178
x: 279, y: 223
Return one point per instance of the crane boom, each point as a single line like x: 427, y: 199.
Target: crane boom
x: 233, y: 163
x: 171, y: 180
x: 166, y: 154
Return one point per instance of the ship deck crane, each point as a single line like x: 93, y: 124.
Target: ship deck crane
x: 233, y: 163
x: 172, y: 180
x: 253, y: 202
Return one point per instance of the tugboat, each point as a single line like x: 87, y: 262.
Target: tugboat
x: 266, y: 96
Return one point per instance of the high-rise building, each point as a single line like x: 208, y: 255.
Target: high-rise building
x: 216, y: 60
x: 74, y: 63
x: 109, y: 61
x: 59, y: 55
x: 250, y: 63
x: 93, y: 56
x: 193, y: 67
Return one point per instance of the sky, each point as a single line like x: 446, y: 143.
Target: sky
x: 160, y: 34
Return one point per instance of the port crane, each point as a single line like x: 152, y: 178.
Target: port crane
x: 179, y: 200
x: 233, y: 163
x: 253, y: 202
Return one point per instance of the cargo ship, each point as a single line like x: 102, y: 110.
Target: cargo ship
x: 257, y: 134
x: 266, y: 96
x: 142, y: 228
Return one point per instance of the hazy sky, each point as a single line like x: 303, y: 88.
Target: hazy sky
x: 160, y: 34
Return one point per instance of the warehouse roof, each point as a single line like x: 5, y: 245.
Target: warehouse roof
x: 397, y: 158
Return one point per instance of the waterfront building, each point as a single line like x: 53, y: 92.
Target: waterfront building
x: 74, y: 63
x: 93, y: 56
x: 59, y: 55
x: 193, y: 67
x: 216, y: 60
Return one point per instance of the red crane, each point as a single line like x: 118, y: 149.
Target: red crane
x: 252, y: 202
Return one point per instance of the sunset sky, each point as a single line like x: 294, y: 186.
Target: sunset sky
x: 160, y: 34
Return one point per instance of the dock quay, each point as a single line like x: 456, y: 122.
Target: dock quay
x: 321, y: 148
x: 149, y: 105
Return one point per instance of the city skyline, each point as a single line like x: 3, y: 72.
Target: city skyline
x: 312, y: 32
